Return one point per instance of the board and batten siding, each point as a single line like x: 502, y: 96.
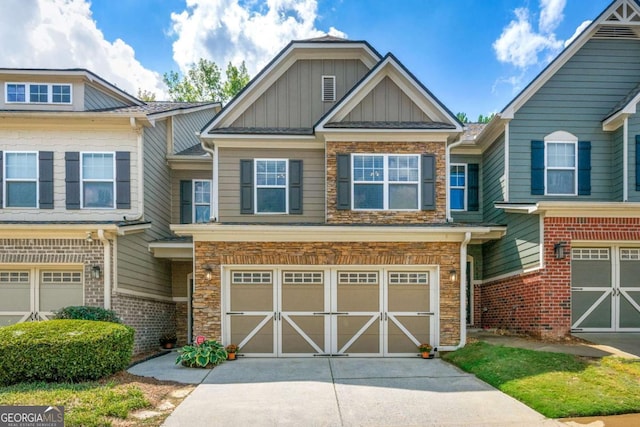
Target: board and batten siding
x: 313, y: 193
x: 294, y: 100
x: 95, y: 99
x: 469, y: 216
x: 185, y: 127
x: 176, y: 177
x: 634, y: 129
x: 138, y: 269
x: 576, y: 100
x: 386, y: 103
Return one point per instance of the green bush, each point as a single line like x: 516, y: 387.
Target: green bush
x: 82, y: 312
x: 63, y: 350
x: 206, y: 355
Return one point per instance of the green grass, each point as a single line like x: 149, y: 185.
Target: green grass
x: 88, y: 404
x: 554, y: 384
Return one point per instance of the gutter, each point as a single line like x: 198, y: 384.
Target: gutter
x: 463, y: 294
x: 107, y: 268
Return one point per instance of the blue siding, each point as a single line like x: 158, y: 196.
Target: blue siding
x: 634, y: 129
x: 616, y: 164
x: 492, y: 181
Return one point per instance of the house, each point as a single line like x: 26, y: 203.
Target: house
x: 330, y: 230
x: 84, y: 190
x: 560, y: 166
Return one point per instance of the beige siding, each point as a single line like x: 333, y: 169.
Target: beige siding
x: 313, y: 185
x: 180, y: 271
x: 185, y: 127
x: 294, y: 100
x: 387, y: 103
x: 176, y: 177
x: 138, y: 270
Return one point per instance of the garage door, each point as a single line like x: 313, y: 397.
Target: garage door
x: 605, y: 289
x: 330, y: 312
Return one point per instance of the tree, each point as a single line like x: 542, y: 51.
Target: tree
x: 146, y: 95
x: 462, y: 117
x: 486, y: 119
x: 203, y: 82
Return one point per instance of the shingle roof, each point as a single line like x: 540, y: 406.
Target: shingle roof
x: 261, y: 130
x: 326, y: 38
x: 124, y: 223
x: 389, y: 125
x: 624, y: 102
x: 195, y: 150
x: 155, y: 107
x: 472, y: 130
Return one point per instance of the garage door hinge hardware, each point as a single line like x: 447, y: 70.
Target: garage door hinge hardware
x: 320, y: 313
x: 425, y: 313
x: 235, y: 312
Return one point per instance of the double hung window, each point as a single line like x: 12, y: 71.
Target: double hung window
x: 561, y: 176
x: 98, y: 180
x: 271, y: 180
x: 21, y: 179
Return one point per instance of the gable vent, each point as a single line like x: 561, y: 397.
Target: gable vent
x: 616, y: 32
x: 328, y: 88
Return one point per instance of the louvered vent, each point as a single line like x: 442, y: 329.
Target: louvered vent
x: 616, y: 32
x: 328, y: 88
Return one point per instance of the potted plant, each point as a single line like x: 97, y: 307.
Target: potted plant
x: 168, y: 340
x: 232, y: 349
x: 425, y: 350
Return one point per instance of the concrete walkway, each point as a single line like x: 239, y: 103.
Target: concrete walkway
x: 340, y: 392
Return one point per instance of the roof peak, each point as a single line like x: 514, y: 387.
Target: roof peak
x: 326, y: 38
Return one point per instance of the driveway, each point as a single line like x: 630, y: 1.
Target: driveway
x: 346, y: 392
x: 624, y: 344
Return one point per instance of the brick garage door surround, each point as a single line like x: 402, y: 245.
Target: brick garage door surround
x: 539, y: 303
x: 207, y: 309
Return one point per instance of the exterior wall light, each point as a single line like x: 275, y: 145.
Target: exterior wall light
x: 453, y: 275
x: 208, y: 271
x: 95, y: 271
x: 558, y: 250
x: 89, y: 238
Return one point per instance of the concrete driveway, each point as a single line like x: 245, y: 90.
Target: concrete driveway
x: 347, y: 392
x: 623, y: 344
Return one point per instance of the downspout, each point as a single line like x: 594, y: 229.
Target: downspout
x: 447, y: 174
x: 107, y: 268
x: 625, y: 160
x: 463, y: 290
x: 506, y: 162
x: 214, y: 180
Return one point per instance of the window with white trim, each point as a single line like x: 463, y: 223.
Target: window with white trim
x: 328, y: 88
x: 271, y: 181
x: 20, y: 179
x: 201, y: 200
x: 251, y: 277
x: 98, y: 180
x: 38, y: 93
x: 561, y: 177
x: 357, y: 277
x: 409, y: 278
x: 458, y: 186
x: 302, y: 277
x: 590, y: 254
x: 386, y: 181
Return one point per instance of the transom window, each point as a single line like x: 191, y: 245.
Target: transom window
x: 201, y: 200
x: 386, y: 182
x: 560, y: 168
x: 458, y: 186
x: 98, y: 183
x: 38, y: 93
x: 271, y: 178
x: 21, y: 179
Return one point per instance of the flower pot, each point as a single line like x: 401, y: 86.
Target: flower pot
x: 231, y: 356
x: 167, y: 345
x: 426, y: 355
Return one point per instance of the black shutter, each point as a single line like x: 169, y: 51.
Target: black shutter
x: 584, y: 168
x: 123, y: 180
x: 295, y: 187
x: 637, y: 163
x: 537, y: 167
x: 473, y: 197
x: 343, y: 183
x: 186, y: 213
x: 246, y: 186
x: 72, y: 179
x: 428, y: 182
x: 1, y: 181
x: 45, y: 166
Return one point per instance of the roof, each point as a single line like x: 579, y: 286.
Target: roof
x: 629, y: 98
x: 472, y: 130
x: 195, y: 150
x: 157, y: 107
x: 326, y: 38
x: 123, y: 223
x: 389, y: 125
x: 262, y: 130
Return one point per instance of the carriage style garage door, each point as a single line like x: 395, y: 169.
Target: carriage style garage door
x: 331, y: 311
x: 605, y: 289
x: 34, y: 294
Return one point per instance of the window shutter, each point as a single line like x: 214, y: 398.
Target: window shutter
x: 537, y: 167
x: 123, y: 180
x: 584, y: 168
x: 473, y: 197
x: 246, y: 186
x: 295, y: 187
x: 1, y: 180
x: 45, y: 166
x: 186, y: 191
x: 637, y: 163
x: 72, y: 179
x: 428, y: 182
x: 343, y: 183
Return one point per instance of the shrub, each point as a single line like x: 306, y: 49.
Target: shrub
x: 206, y: 355
x: 82, y: 312
x: 63, y: 350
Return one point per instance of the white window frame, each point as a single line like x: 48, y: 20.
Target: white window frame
x: 385, y: 181
x: 8, y: 180
x: 193, y: 198
x: 27, y: 93
x: 464, y: 188
x: 256, y: 187
x: 333, y: 79
x: 83, y: 180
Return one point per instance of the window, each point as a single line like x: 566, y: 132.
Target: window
x: 385, y: 182
x: 458, y: 186
x: 271, y: 186
x: 328, y: 88
x: 98, y: 183
x: 201, y: 200
x: 560, y: 168
x: 21, y: 179
x: 38, y: 93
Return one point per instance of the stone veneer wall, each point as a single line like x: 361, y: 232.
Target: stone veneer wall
x: 207, y: 303
x: 182, y: 317
x: 386, y: 217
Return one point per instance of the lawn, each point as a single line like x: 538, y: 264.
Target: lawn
x: 554, y: 384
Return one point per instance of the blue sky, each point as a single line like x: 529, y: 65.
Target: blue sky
x: 474, y: 55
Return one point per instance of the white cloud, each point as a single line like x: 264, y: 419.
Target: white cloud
x: 63, y: 34
x: 232, y: 30
x: 551, y: 15
x: 578, y: 31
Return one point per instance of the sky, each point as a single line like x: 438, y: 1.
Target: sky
x: 473, y: 55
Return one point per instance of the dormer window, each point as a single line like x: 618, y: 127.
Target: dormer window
x: 328, y: 88
x: 37, y: 93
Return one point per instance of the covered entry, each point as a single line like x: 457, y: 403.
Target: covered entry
x: 330, y: 311
x: 605, y: 289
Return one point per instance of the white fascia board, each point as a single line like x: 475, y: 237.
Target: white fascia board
x: 53, y: 230
x: 385, y: 135
x: 517, y: 208
x: 179, y: 111
x: 261, y: 142
x: 172, y: 250
x: 590, y: 209
x: 133, y: 229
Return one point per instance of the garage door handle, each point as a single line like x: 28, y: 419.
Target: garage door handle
x: 425, y: 313
x: 577, y: 289
x: 321, y: 313
x: 235, y: 312
x: 341, y: 313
